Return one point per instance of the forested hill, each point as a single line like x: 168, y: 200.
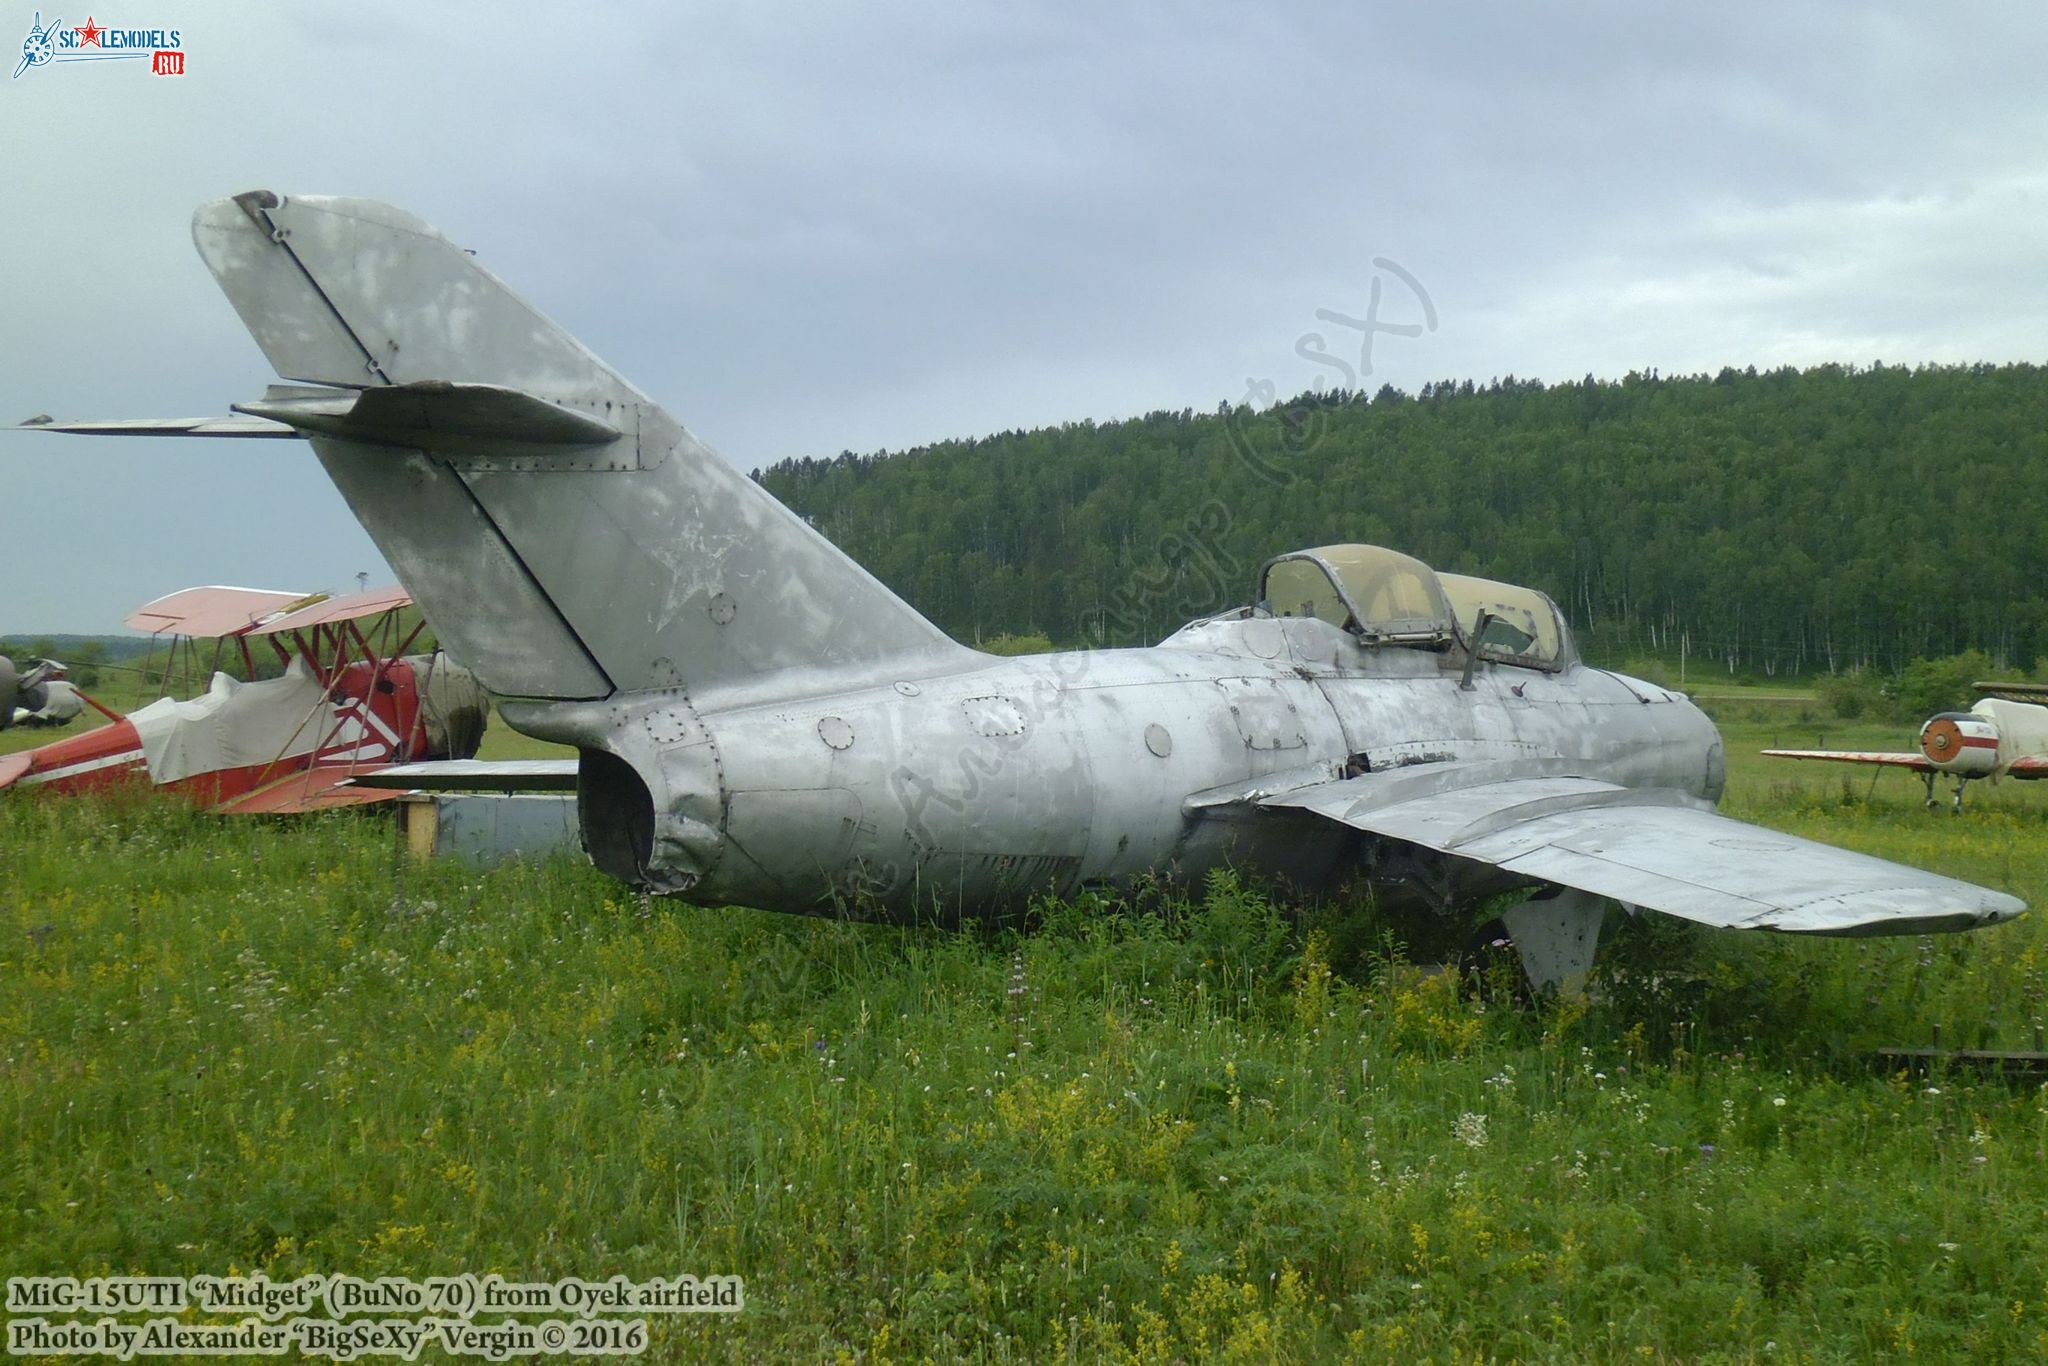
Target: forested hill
x: 1782, y: 521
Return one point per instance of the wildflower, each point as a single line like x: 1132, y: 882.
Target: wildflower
x: 1470, y: 1129
x: 1778, y: 1101
x: 1932, y: 1091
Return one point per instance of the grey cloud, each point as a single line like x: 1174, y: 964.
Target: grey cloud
x: 810, y: 227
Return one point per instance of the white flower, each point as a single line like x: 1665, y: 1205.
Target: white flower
x: 1778, y: 1101
x: 1470, y: 1129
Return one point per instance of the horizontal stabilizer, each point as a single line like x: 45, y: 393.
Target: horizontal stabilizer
x: 475, y: 775
x: 166, y: 426
x: 432, y: 415
x: 438, y: 416
x: 1663, y: 851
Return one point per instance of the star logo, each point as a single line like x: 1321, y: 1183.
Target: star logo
x: 89, y: 36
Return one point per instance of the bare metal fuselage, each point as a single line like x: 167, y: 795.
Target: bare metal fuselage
x: 973, y: 789
x: 761, y: 721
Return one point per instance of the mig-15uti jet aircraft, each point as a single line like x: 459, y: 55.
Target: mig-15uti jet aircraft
x: 761, y: 722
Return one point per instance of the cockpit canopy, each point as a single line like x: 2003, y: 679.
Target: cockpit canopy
x: 1386, y: 598
x: 1522, y: 625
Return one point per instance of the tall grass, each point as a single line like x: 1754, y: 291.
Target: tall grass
x: 1178, y: 1127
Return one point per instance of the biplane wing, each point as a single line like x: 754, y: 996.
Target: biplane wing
x: 216, y: 611
x: 326, y: 611
x: 311, y: 789
x: 213, y: 611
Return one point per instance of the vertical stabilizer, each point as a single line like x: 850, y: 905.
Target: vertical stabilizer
x: 564, y: 535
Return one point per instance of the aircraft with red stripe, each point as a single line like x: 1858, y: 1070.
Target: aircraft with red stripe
x: 2004, y: 735
x: 350, y: 701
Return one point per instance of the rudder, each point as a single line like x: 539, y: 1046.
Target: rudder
x: 600, y: 548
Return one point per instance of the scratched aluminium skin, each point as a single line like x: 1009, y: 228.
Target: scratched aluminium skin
x: 760, y: 721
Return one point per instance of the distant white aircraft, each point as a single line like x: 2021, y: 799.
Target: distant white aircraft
x: 46, y: 696
x: 2003, y: 736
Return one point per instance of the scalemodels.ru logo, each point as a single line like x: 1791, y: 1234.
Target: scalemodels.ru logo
x: 93, y: 41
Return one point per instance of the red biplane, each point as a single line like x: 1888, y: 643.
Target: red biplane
x: 350, y: 701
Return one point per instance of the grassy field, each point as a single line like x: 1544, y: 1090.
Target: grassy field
x: 1184, y: 1129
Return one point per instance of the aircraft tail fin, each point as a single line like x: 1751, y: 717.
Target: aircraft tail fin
x: 563, y: 534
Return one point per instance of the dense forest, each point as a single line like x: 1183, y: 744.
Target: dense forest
x: 1774, y: 522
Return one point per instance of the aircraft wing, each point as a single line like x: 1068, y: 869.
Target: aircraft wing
x: 212, y: 611
x: 320, y: 611
x: 474, y: 775
x: 312, y: 789
x: 2036, y: 693
x: 1917, y: 762
x: 1660, y: 850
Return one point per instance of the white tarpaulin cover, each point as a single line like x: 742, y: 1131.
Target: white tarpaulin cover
x: 237, y: 725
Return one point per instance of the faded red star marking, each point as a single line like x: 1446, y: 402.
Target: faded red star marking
x: 89, y: 36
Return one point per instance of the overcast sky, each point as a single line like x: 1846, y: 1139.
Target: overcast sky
x: 814, y: 227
